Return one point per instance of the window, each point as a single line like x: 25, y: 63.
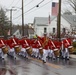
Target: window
x: 53, y: 30
x: 63, y: 30
x: 45, y: 30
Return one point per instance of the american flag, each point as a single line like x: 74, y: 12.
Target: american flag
x: 55, y: 7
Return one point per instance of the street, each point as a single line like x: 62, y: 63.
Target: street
x: 33, y: 66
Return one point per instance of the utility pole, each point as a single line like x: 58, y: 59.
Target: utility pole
x: 59, y: 22
x: 11, y: 19
x: 22, y: 18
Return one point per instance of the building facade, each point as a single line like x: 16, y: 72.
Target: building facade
x: 41, y: 25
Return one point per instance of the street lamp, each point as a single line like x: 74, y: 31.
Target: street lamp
x: 17, y: 7
x: 11, y: 18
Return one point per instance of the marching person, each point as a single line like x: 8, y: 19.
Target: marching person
x: 57, y: 46
x: 40, y: 49
x: 51, y: 47
x: 24, y: 42
x: 45, y: 46
x: 12, y: 42
x: 64, y: 49
x: 2, y: 47
x: 34, y: 46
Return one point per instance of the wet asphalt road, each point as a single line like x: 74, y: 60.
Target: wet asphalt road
x: 32, y: 66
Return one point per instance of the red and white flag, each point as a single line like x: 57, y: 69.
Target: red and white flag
x: 55, y: 7
x: 49, y: 19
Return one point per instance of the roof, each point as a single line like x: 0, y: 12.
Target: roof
x: 70, y: 18
x: 42, y: 20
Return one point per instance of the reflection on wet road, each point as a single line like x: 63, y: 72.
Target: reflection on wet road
x: 32, y: 66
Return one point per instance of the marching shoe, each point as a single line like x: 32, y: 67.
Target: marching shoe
x: 54, y: 58
x: 2, y: 58
x: 26, y: 57
x: 14, y: 57
x: 44, y: 61
x: 49, y: 58
x: 67, y: 58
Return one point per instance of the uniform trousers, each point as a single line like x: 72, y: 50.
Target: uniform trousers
x: 1, y: 53
x: 46, y: 53
x: 35, y: 52
x: 12, y: 52
x: 52, y: 54
x: 65, y: 53
x: 23, y: 52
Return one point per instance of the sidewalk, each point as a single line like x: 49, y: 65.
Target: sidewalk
x: 73, y: 56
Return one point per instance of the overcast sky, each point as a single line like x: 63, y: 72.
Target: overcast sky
x: 42, y: 11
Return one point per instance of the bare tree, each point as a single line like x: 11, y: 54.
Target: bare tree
x: 72, y: 3
x: 4, y: 25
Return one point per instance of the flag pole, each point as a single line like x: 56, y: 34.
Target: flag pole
x: 49, y: 19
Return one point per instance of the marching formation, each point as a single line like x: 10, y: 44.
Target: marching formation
x: 37, y: 47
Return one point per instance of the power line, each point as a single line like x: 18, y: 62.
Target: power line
x: 17, y: 2
x: 35, y: 9
x: 25, y: 12
x: 29, y: 3
x: 30, y: 9
x: 11, y: 3
x: 38, y: 8
x: 24, y: 6
x: 17, y: 11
